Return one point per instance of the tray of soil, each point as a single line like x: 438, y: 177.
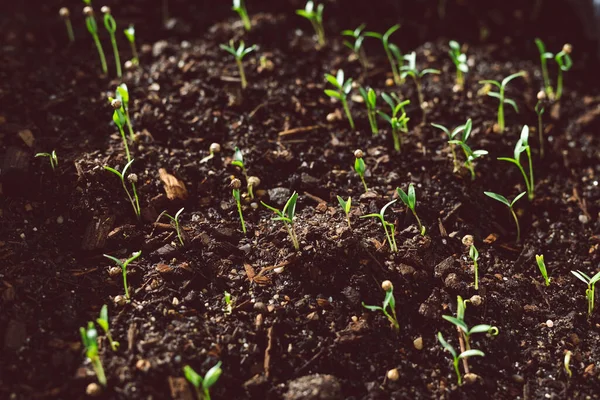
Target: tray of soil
x: 292, y: 200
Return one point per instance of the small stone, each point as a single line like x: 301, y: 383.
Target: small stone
x: 120, y: 300
x: 60, y: 219
x: 393, y: 375
x: 159, y: 47
x: 143, y: 365
x: 549, y: 323
x: 518, y: 378
x: 470, y: 378
x: 452, y: 281
x: 418, y: 343
x: 260, y: 306
x: 279, y: 196
x: 93, y: 389
x: 583, y: 219
x: 476, y: 300
x: 389, y: 82
x: 175, y: 301
x: 114, y: 272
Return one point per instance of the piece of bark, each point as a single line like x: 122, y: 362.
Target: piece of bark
x: 174, y: 188
x: 97, y: 231
x: 180, y: 390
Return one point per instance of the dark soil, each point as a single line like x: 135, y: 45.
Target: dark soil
x: 304, y: 316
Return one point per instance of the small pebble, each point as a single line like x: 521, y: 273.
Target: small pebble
x: 393, y: 374
x: 60, y: 219
x: 120, y: 300
x: 93, y: 389
x: 549, y: 323
x: 475, y: 300
x: 584, y: 219
x: 418, y: 343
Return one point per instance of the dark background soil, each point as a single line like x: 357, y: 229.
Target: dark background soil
x: 308, y: 318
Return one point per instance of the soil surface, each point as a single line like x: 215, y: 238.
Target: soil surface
x: 296, y: 328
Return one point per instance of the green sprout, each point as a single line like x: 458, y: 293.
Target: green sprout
x: 474, y: 254
x: 509, y: 204
x: 356, y: 47
x: 174, y: 220
x: 388, y: 302
x: 342, y: 90
x: 457, y: 357
x: 123, y: 266
x: 239, y: 55
x: 398, y: 119
x: 239, y: 7
x: 287, y: 217
x: 410, y: 200
x: 238, y: 161
x: 455, y: 139
x: 360, y: 167
x: 460, y: 61
x: 120, y: 120
x: 391, y: 50
x: 252, y: 182
x: 316, y: 19
x: 111, y: 26
x: 544, y: 57
x: 388, y: 227
x: 228, y: 302
x: 236, y: 185
x: 102, y: 320
x: 410, y: 69
x: 123, y: 96
x: 132, y: 178
x: 563, y: 59
x: 66, y: 16
x: 500, y: 95
x: 52, y: 157
x: 591, y: 283
x: 130, y: 34
x: 203, y: 385
x: 370, y: 99
x: 523, y: 146
x: 539, y: 110
x: 213, y: 149
x: 346, y: 205
x: 539, y: 259
x: 567, y: 363
x: 92, y: 27
x: 89, y: 337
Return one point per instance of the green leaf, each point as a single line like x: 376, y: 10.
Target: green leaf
x: 458, y: 322
x: 126, y: 167
x: 372, y: 308
x: 389, y: 32
x: 446, y: 345
x: 540, y: 45
x: 228, y: 49
x: 442, y: 128
x: 192, y: 376
x: 359, y: 166
x: 238, y: 158
x: 372, y: 98
x: 123, y: 94
x: 114, y: 171
x: 331, y: 79
x: 473, y: 253
x: 463, y: 67
x: 595, y: 278
x: 467, y: 130
x: 517, y: 198
x: 427, y: 71
x: 130, y: 33
x: 511, y: 77
x: 581, y: 276
x: 333, y: 93
x: 403, y: 196
x: 471, y: 353
x: 454, y: 45
x: 382, y: 212
x: 498, y: 197
x: 290, y: 207
x: 511, y: 103
x: 480, y: 329
x: 340, y: 77
x: 212, y: 376
x: 412, y: 198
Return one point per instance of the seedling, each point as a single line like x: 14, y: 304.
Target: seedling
x: 567, y: 363
x: 370, y: 99
x: 203, y: 385
x: 470, y: 155
x: 563, y: 59
x: 123, y: 266
x: 474, y: 254
x: 316, y: 19
x: 102, y: 320
x: 388, y: 227
x: 500, y: 95
x: 286, y: 216
x: 389, y: 302
x: 539, y: 259
x: 228, y: 302
x: 236, y: 185
x: 92, y: 27
x: 252, y: 183
x: 66, y: 16
x: 89, y: 337
x: 459, y: 322
x: 346, y: 205
x: 544, y: 57
x: 591, y: 283
x: 398, y: 120
x: 539, y: 110
x: 111, y: 26
x: 510, y: 205
x: 410, y: 69
x: 175, y: 221
x: 457, y: 357
x: 239, y: 53
x: 239, y: 7
x: 123, y: 96
x: 130, y: 34
x: 391, y: 50
x: 410, y: 200
x: 212, y: 150
x: 238, y: 161
x: 360, y: 167
x: 356, y: 47
x: 460, y: 61
x: 120, y: 120
x: 342, y: 89
x: 51, y: 157
x: 132, y: 179
x: 523, y: 146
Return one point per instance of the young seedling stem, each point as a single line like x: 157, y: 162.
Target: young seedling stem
x: 544, y: 57
x: 175, y: 221
x: 410, y: 200
x: 130, y: 34
x: 286, y: 216
x: 316, y: 19
x: 123, y: 266
x: 252, y: 183
x: 474, y: 255
x: 132, y: 179
x: 356, y: 47
x: 567, y: 363
x: 342, y: 89
x: 591, y: 284
x: 563, y: 59
x: 111, y: 26
x: 236, y: 184
x: 120, y: 120
x: 360, y: 167
x: 391, y: 50
x: 461, y: 140
x: 460, y: 61
x: 346, y: 205
x: 89, y: 337
x: 102, y: 320
x: 500, y: 95
x: 123, y: 96
x: 457, y: 357
x: 239, y: 7
x: 510, y: 205
x: 213, y: 149
x: 202, y: 385
x: 388, y: 227
x: 370, y: 99
x: 397, y: 119
x: 92, y: 27
x: 66, y: 16
x: 539, y: 110
x: 542, y: 267
x: 410, y: 69
x: 239, y: 53
x: 238, y: 161
x: 389, y: 302
x: 523, y: 146
x: 52, y: 157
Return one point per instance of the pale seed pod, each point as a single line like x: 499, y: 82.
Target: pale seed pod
x: 88, y: 11
x: 105, y: 10
x: 567, y: 48
x: 359, y: 153
x: 215, y: 148
x: 253, y: 181
x: 116, y: 104
x: 541, y: 95
x: 64, y: 12
x: 387, y: 285
x: 236, y: 183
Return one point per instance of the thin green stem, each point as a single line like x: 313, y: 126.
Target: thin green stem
x: 418, y: 222
x: 70, y: 30
x: 99, y: 370
x: 547, y: 87
x: 362, y: 178
x: 475, y: 267
x: 527, y: 183
x: 517, y: 224
x: 242, y: 73
x: 531, y: 194
x: 559, y: 84
x: 397, y: 79
x: 292, y: 234
x: 373, y: 123
x: 125, y: 283
x: 239, y: 207
x: 457, y: 370
x: 100, y: 53
x: 421, y: 98
x: 246, y: 21
x: 134, y: 53
x: 136, y: 203
x: 347, y: 111
x: 113, y: 40
x: 397, y: 139
x: 178, y: 232
x: 125, y: 143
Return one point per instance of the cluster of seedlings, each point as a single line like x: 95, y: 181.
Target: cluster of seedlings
x: 402, y: 67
